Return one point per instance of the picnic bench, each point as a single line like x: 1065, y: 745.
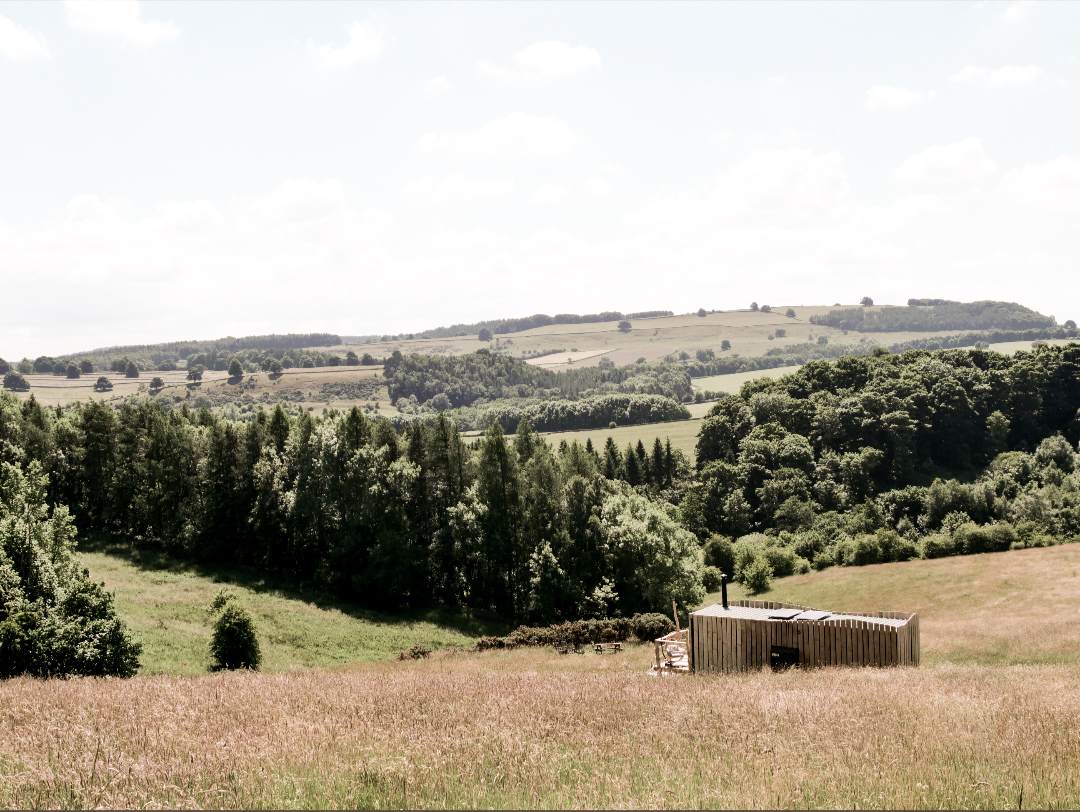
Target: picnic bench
x: 609, y: 648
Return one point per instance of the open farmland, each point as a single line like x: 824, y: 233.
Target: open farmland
x: 651, y: 338
x: 306, y: 388
x: 731, y: 384
x: 528, y: 728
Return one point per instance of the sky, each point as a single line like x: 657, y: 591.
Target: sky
x: 174, y: 170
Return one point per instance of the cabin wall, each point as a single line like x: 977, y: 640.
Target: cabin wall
x: 724, y: 644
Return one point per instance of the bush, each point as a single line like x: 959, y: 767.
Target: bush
x: 651, y: 625
x: 865, y: 549
x: 103, y: 384
x: 938, y: 546
x: 782, y: 560
x: 710, y: 578
x: 757, y: 575
x: 234, y: 644
x: 417, y: 651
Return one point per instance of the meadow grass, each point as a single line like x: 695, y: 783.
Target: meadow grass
x: 164, y: 599
x: 989, y: 720
x: 518, y: 729
x: 1011, y: 608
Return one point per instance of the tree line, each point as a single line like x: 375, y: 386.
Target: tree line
x: 941, y: 315
x: 349, y: 505
x: 484, y: 376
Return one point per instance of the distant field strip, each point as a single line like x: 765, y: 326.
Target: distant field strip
x: 682, y: 433
x: 562, y: 358
x: 731, y: 384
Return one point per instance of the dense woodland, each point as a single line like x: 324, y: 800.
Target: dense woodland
x: 463, y: 380
x: 926, y: 315
x: 887, y: 457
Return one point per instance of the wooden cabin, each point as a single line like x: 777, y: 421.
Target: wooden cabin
x: 749, y: 635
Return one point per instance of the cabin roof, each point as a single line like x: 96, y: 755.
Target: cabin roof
x: 755, y: 613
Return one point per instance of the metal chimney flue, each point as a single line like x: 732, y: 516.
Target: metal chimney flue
x: 723, y: 589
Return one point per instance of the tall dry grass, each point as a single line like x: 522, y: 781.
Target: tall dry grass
x: 527, y: 729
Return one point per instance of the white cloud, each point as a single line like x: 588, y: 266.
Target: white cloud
x: 440, y: 83
x: 797, y: 182
x: 365, y: 45
x: 190, y: 216
x: 1010, y: 76
x: 947, y: 163
x: 550, y: 59
x: 596, y: 187
x: 1015, y: 12
x: 18, y: 44
x: 457, y: 189
x: 549, y: 194
x: 516, y: 137
x: 889, y: 97
x: 122, y: 17
x: 1053, y: 185
x: 298, y: 200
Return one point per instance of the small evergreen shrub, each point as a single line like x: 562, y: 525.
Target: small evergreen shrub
x: 234, y: 644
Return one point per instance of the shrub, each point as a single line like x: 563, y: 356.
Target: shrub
x: 782, y: 560
x: 103, y: 384
x: 865, y: 549
x: 417, y: 651
x: 720, y: 553
x: 938, y: 546
x: 651, y: 625
x: 234, y: 644
x: 710, y: 578
x: 757, y: 575
x: 131, y: 371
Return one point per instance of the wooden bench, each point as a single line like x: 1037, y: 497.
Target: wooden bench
x: 613, y: 648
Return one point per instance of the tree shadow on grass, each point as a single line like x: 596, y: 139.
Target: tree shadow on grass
x: 150, y: 557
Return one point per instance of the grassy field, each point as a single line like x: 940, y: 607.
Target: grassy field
x: 1008, y: 608
x: 730, y: 384
x: 989, y: 720
x: 165, y: 602
x: 749, y: 333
